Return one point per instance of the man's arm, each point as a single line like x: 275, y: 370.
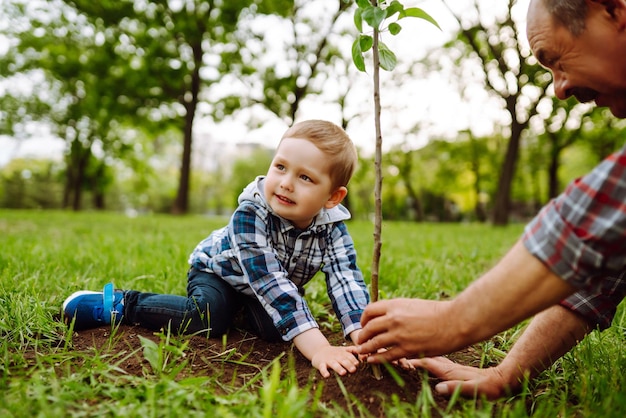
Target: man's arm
x: 518, y: 287
x: 550, y: 335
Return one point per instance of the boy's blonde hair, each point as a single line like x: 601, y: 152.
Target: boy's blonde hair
x: 332, y: 141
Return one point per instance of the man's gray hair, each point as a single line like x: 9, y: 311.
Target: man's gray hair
x: 570, y: 13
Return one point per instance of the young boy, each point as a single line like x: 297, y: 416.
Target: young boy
x: 289, y: 225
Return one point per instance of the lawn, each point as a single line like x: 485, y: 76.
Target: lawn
x: 46, y: 370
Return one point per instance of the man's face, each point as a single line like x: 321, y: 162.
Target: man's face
x: 590, y: 66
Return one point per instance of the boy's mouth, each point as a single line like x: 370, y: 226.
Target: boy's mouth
x: 285, y: 200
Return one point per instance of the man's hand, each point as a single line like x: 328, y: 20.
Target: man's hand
x: 405, y: 328
x: 471, y: 381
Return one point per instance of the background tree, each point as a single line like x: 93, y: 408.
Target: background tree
x: 404, y: 160
x: 562, y: 129
x: 167, y: 44
x: 285, y: 57
x: 603, y: 133
x: 70, y: 70
x: 255, y: 164
x: 116, y: 61
x: 31, y: 184
x: 510, y: 73
x: 362, y: 204
x: 477, y: 148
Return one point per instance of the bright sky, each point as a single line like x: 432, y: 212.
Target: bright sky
x: 433, y: 103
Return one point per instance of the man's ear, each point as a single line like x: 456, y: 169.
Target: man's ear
x: 336, y: 197
x: 616, y: 8
x: 619, y: 12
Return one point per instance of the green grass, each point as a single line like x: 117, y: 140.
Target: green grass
x: 47, y: 255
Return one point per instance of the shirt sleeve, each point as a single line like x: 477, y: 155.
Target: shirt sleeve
x: 267, y: 277
x: 344, y: 280
x: 599, y: 307
x: 581, y: 237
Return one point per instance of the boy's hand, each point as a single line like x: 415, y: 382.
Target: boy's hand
x: 339, y: 359
x: 325, y: 357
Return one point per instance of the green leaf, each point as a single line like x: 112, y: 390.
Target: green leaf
x: 374, y: 16
x: 358, y: 20
x: 365, y: 43
x: 357, y: 56
x: 151, y: 353
x: 394, y: 28
x: 363, y: 4
x: 420, y: 14
x: 394, y: 7
x: 388, y: 59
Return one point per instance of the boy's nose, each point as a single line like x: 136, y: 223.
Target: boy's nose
x: 286, y: 183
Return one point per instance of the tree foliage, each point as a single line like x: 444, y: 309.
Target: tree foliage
x: 510, y: 73
x: 124, y: 82
x: 285, y: 58
x: 74, y: 90
x: 123, y: 62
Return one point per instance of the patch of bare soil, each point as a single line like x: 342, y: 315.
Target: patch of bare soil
x: 238, y: 359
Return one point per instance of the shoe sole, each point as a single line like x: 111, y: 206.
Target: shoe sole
x: 76, y: 294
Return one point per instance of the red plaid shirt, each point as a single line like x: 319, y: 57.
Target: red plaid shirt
x: 581, y: 237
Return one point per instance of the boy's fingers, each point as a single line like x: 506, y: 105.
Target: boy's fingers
x: 393, y: 353
x: 405, y: 364
x: 352, y: 349
x: 350, y: 365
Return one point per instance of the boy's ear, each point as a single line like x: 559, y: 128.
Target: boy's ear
x: 336, y: 197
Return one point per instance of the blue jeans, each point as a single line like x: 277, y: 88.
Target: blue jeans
x: 210, y: 307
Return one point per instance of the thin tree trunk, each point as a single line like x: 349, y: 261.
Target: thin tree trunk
x: 99, y: 187
x: 416, y: 204
x: 479, y: 209
x: 503, y: 196
x: 78, y: 182
x: 181, y: 204
x: 378, y: 183
x: 378, y: 211
x: 553, y: 168
x: 76, y: 166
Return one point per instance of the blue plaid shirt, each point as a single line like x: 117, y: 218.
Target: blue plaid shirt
x: 264, y: 256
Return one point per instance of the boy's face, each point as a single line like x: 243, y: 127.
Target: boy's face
x: 298, y: 183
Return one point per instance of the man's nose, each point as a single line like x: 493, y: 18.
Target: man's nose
x: 562, y: 87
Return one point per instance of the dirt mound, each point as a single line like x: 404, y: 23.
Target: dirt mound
x: 240, y: 357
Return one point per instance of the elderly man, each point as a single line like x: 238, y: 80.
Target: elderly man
x: 569, y: 268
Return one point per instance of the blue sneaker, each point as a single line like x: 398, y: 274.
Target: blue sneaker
x: 93, y: 309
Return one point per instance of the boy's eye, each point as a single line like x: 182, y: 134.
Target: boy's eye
x: 280, y: 167
x: 305, y: 177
